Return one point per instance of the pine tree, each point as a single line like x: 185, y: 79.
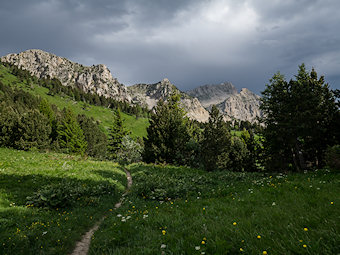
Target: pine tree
x: 298, y: 116
x: 116, y: 135
x: 216, y: 142
x: 34, y: 129
x: 168, y: 136
x: 95, y: 138
x: 70, y: 136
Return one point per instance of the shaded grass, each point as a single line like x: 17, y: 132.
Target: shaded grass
x: 33, y: 230
x: 137, y: 127
x: 228, y: 211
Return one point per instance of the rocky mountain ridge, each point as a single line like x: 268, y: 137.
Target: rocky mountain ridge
x: 98, y: 79
x: 213, y: 94
x: 149, y: 94
x: 242, y: 106
x: 94, y: 79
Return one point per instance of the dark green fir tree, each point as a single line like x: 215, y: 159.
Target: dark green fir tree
x: 70, y: 136
x: 116, y: 135
x: 216, y: 142
x: 168, y: 135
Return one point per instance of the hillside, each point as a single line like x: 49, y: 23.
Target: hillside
x: 137, y: 127
x: 99, y: 80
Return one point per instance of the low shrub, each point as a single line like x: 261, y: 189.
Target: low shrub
x: 333, y: 157
x: 67, y: 193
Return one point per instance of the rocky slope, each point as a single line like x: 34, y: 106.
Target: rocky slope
x: 94, y: 79
x: 149, y: 94
x: 213, y: 94
x: 98, y: 79
x: 243, y: 106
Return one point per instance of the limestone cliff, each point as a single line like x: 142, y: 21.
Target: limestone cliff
x: 243, y: 106
x: 149, y: 94
x: 94, y: 79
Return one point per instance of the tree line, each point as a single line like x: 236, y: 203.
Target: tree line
x: 28, y: 122
x: 301, y: 121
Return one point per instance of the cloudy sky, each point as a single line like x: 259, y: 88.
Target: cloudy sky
x: 191, y: 42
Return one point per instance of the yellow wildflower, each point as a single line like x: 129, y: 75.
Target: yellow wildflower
x: 258, y: 237
x: 234, y: 223
x: 305, y: 229
x: 304, y: 246
x: 264, y: 253
x: 163, y: 232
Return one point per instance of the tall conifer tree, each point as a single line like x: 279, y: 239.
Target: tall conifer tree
x: 70, y: 135
x: 168, y: 134
x: 116, y: 135
x: 216, y: 142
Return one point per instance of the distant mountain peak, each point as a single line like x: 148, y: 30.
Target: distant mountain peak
x: 213, y: 94
x: 234, y: 105
x: 92, y: 79
x: 149, y: 94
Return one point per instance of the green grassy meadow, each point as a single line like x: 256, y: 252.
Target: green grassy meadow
x: 137, y: 127
x: 177, y: 210
x: 92, y: 187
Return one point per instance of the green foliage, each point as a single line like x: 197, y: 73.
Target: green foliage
x: 30, y: 230
x: 298, y: 116
x: 168, y: 133
x: 46, y: 109
x: 216, y: 142
x: 163, y: 183
x: 95, y: 138
x: 116, y: 135
x: 135, y: 124
x: 23, y: 130
x: 333, y: 157
x: 8, y: 125
x: 130, y: 151
x: 34, y: 130
x: 70, y: 136
x: 227, y: 210
x: 67, y: 193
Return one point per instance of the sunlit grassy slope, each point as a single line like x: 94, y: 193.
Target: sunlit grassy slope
x: 25, y: 229
x: 177, y: 210
x: 137, y: 127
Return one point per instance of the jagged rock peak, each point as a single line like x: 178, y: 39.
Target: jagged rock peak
x: 242, y: 106
x: 149, y: 94
x: 213, y: 94
x: 95, y: 79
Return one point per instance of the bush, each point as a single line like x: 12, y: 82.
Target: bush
x: 67, y: 193
x: 130, y: 151
x: 333, y: 157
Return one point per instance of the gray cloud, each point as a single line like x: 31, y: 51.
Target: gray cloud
x: 191, y: 42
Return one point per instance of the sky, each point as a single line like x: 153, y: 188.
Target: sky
x: 190, y: 42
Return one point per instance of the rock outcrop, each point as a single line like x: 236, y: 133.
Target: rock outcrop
x: 242, y: 106
x: 149, y: 94
x: 98, y: 79
x: 93, y: 79
x: 213, y: 94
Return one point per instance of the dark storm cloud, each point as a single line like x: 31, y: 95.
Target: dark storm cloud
x: 190, y: 42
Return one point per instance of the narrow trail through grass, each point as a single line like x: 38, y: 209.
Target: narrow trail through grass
x: 82, y: 247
